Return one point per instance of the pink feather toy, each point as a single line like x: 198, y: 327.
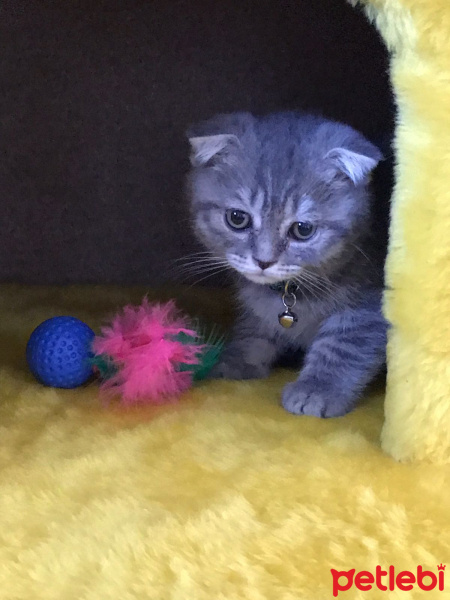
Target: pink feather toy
x: 152, y: 353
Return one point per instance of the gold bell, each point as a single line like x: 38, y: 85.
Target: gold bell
x: 287, y: 319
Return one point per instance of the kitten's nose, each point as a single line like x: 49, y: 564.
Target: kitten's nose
x: 263, y: 264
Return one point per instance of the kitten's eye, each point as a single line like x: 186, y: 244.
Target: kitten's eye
x: 302, y: 230
x: 237, y: 219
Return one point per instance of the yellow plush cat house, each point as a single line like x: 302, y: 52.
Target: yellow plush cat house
x: 417, y: 34
x: 225, y: 496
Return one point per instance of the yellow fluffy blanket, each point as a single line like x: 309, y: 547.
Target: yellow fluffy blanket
x: 223, y: 496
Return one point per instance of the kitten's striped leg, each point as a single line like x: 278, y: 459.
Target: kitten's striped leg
x: 348, y: 351
x: 250, y: 354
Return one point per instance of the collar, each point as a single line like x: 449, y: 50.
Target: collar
x: 280, y: 286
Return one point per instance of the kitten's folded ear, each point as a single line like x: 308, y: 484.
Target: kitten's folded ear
x: 218, y: 140
x: 206, y: 148
x: 356, y: 160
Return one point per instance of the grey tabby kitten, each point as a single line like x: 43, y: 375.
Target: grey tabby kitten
x: 286, y: 197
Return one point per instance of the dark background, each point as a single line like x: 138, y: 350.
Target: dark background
x: 96, y: 97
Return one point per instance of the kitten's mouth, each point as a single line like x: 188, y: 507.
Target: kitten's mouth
x: 262, y: 278
x: 273, y: 274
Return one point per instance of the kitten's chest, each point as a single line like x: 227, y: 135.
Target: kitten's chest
x: 267, y: 305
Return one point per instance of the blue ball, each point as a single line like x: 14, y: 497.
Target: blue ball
x: 59, y: 352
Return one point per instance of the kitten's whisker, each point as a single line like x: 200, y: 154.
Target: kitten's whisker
x: 305, y: 296
x: 304, y: 287
x: 200, y: 261
x: 193, y: 273
x: 193, y: 255
x: 197, y: 258
x: 209, y: 275
x: 201, y: 269
x: 362, y: 252
x: 304, y: 283
x: 328, y: 291
x: 320, y: 279
x: 316, y: 276
x: 316, y: 286
x: 304, y: 278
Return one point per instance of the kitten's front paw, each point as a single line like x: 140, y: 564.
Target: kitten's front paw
x: 237, y: 370
x: 303, y: 399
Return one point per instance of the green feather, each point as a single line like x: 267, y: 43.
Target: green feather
x: 212, y: 342
x: 103, y: 364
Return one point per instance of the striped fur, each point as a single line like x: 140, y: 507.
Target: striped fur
x: 282, y: 169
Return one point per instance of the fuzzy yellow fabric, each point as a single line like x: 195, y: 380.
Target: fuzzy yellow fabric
x: 417, y: 33
x: 223, y: 496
